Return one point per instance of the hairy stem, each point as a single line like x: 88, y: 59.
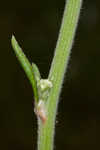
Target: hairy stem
x: 58, y: 67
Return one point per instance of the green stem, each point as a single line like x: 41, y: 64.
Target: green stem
x: 58, y: 67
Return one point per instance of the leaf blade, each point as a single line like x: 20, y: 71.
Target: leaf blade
x: 25, y: 65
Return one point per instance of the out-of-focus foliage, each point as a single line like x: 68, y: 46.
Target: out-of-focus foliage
x: 36, y: 24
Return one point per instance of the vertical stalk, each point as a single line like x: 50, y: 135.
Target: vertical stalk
x: 56, y: 74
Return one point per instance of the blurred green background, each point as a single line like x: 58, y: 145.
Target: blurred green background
x: 35, y: 25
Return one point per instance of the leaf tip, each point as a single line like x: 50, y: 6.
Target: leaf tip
x: 13, y: 40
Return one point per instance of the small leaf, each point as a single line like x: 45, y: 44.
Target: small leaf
x: 36, y: 72
x: 25, y: 65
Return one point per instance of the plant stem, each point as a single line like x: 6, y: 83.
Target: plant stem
x: 58, y: 67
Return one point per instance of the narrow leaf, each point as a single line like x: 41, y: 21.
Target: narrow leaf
x: 36, y: 72
x: 25, y: 65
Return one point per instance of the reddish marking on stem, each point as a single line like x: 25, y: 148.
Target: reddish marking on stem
x: 41, y: 112
x: 42, y: 115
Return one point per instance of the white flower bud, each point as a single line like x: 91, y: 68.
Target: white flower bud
x: 45, y: 84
